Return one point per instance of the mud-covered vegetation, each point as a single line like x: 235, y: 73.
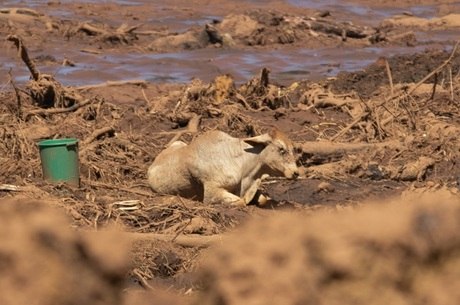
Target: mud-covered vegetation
x: 386, y: 132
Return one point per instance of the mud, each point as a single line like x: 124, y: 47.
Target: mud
x: 341, y: 258
x: 44, y: 260
x: 370, y: 99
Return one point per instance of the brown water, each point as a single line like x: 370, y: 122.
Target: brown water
x: 287, y: 64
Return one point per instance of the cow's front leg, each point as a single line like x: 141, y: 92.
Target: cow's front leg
x: 252, y: 190
x: 215, y: 194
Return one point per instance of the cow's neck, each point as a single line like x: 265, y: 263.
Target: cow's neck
x: 258, y: 167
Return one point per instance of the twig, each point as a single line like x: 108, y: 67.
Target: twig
x: 435, y: 84
x: 145, y: 97
x: 91, y: 51
x: 390, y: 78
x: 451, y: 84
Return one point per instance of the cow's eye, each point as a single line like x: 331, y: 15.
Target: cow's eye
x: 283, y: 151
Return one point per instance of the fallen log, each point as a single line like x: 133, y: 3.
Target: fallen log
x: 325, y: 152
x: 343, y: 30
x: 325, y: 148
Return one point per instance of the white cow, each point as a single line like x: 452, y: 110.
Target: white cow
x: 218, y: 168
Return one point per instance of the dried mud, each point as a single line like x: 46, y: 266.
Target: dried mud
x: 381, y: 134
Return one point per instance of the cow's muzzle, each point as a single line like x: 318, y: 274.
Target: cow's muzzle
x: 294, y: 174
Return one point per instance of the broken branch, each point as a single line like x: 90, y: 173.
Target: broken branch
x: 24, y: 55
x: 57, y: 110
x: 97, y: 133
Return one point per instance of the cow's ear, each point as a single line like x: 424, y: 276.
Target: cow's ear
x: 262, y: 139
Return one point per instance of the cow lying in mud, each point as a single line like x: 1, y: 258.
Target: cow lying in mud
x: 218, y: 168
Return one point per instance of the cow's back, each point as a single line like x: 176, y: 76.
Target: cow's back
x: 217, y: 157
x: 168, y: 173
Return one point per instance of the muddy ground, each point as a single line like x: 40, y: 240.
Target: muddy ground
x: 385, y: 132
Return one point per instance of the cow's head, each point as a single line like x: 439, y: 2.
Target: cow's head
x: 278, y: 153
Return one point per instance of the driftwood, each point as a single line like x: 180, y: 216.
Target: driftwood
x: 137, y: 82
x: 344, y: 30
x: 121, y: 34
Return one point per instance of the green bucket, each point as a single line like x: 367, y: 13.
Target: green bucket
x: 59, y: 158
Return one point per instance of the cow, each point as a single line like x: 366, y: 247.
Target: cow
x: 218, y: 168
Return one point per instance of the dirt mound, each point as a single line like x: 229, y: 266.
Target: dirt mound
x: 405, y: 252
x: 43, y: 260
x: 404, y: 69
